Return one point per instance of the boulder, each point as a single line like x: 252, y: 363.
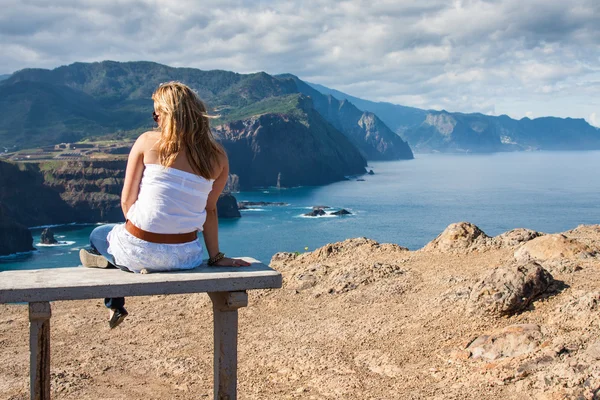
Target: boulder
x: 457, y: 238
x: 343, y: 211
x: 47, y: 237
x: 227, y: 206
x: 371, y: 172
x: 515, y: 237
x: 511, y: 341
x: 509, y: 289
x: 550, y: 247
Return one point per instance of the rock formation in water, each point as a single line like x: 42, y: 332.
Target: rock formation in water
x: 317, y: 212
x: 227, y: 206
x: 47, y: 237
x: 343, y: 211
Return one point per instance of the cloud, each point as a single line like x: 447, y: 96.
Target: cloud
x: 504, y: 56
x: 594, y: 120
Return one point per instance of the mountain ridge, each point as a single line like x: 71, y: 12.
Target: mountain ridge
x: 119, y: 95
x: 477, y: 132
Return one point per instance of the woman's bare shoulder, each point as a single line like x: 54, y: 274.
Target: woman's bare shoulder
x: 147, y: 139
x: 149, y: 136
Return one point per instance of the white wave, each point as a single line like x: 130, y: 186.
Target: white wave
x: 59, y: 236
x: 59, y: 244
x: 15, y: 256
x: 252, y: 209
x: 317, y: 216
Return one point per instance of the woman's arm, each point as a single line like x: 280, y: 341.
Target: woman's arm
x: 211, y: 225
x: 133, y: 175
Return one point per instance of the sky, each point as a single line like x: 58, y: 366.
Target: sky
x: 517, y: 57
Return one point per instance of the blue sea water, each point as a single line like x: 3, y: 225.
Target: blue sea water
x: 405, y: 202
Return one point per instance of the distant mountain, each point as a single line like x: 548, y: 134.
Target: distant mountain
x: 368, y: 133
x: 3, y: 77
x: 456, y: 132
x: 442, y: 131
x: 398, y: 118
x: 79, y: 100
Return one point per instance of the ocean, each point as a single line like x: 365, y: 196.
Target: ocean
x: 404, y: 202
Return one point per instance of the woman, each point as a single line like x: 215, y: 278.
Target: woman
x: 173, y: 180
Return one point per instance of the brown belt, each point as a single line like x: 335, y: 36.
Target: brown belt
x: 164, y: 238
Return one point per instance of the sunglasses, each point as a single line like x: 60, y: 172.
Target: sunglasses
x: 154, y: 116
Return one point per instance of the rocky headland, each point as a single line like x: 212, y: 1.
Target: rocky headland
x: 61, y: 192
x: 468, y: 316
x: 266, y: 150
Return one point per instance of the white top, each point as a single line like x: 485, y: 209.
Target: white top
x: 169, y: 201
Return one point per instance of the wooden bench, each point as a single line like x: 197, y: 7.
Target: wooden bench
x: 226, y: 287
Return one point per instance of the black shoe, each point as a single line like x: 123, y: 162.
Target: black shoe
x: 118, y: 316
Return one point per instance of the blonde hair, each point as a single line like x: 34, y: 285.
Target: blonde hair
x: 185, y: 126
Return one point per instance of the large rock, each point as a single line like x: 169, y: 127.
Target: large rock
x: 227, y: 206
x: 552, y: 247
x: 47, y: 237
x: 344, y: 266
x: 14, y: 237
x: 460, y: 237
x: 511, y: 341
x: 318, y: 212
x: 343, y: 211
x: 509, y: 289
x: 515, y: 237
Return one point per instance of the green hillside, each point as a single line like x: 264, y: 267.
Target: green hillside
x: 112, y: 99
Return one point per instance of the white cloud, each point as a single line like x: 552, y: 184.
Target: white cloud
x: 504, y: 56
x: 594, y: 120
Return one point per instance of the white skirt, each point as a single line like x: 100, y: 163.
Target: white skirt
x: 137, y: 254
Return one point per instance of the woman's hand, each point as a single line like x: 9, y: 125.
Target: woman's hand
x: 231, y: 262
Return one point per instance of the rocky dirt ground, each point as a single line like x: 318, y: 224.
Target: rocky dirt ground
x: 467, y: 317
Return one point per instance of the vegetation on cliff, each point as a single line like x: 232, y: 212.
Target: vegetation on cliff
x: 79, y: 100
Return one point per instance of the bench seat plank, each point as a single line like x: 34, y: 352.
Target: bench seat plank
x: 79, y: 283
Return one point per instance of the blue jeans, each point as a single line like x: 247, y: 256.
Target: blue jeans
x: 99, y: 242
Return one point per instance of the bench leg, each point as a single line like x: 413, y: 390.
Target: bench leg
x: 225, y: 317
x: 39, y: 350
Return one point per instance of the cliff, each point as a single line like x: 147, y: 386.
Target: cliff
x: 456, y: 132
x: 428, y: 130
x: 365, y: 130
x: 60, y: 192
x: 299, y: 148
x: 14, y: 237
